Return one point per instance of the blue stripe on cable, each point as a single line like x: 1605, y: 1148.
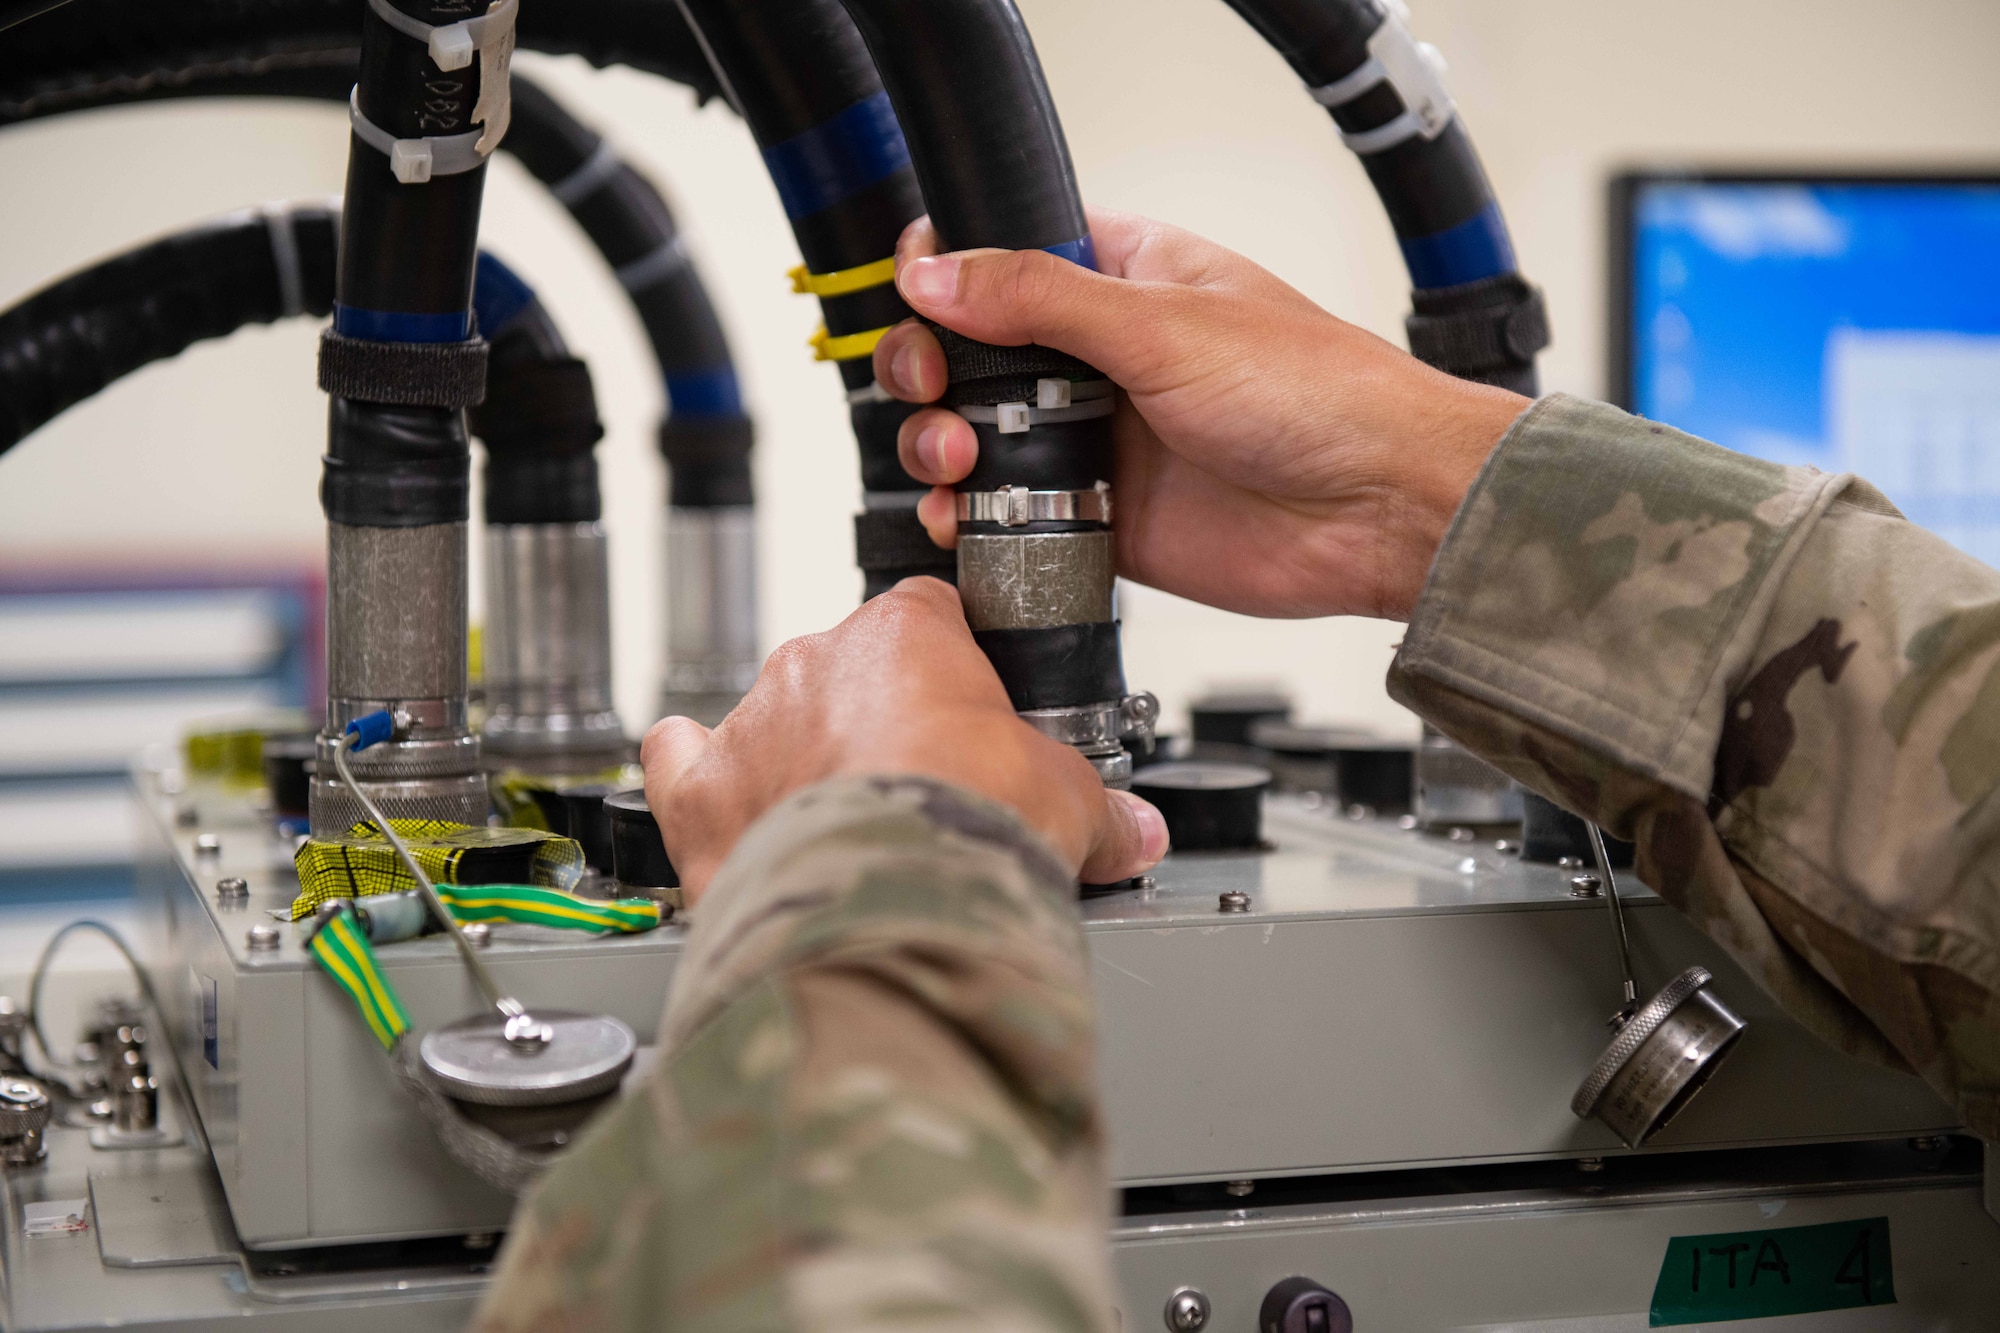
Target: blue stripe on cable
x: 1080, y: 251
x: 498, y: 295
x: 705, y: 393
x: 395, y: 326
x: 1476, y: 248
x: 838, y: 158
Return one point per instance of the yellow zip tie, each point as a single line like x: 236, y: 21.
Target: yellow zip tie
x: 846, y: 347
x: 842, y: 282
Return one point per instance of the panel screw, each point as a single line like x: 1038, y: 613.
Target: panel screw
x: 1925, y: 1143
x: 1359, y: 812
x: 1239, y: 1189
x: 1507, y: 846
x: 479, y: 935
x: 1460, y: 834
x: 1406, y: 822
x: 232, y: 889
x: 1569, y: 863
x: 207, y: 844
x: 1586, y: 886
x: 1145, y: 883
x: 263, y: 937
x: 1591, y: 1164
x: 1187, y: 1311
x: 1233, y: 901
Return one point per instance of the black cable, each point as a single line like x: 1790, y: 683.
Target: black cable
x: 801, y: 77
x: 1474, y: 315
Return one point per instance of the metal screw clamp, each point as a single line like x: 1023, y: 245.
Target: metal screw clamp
x: 1016, y: 506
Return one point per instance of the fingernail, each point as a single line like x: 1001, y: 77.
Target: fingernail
x: 905, y: 368
x: 1152, y: 827
x: 930, y: 449
x: 932, y: 281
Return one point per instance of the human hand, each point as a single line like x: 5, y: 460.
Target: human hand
x: 1271, y: 459
x: 898, y: 687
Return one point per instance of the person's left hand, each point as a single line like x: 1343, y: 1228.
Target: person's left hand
x: 897, y: 687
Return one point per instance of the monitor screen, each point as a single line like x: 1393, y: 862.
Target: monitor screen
x: 1850, y: 324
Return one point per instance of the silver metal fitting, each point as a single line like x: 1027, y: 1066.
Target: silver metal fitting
x: 263, y: 937
x: 478, y: 934
x: 232, y: 889
x: 1235, y: 900
x: 1099, y: 731
x: 712, y: 655
x: 25, y: 1110
x: 547, y: 672
x: 207, y: 845
x: 1016, y: 506
x: 135, y: 1104
x: 1585, y: 885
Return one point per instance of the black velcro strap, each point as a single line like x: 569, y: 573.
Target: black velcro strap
x: 984, y: 373
x: 1505, y: 329
x: 893, y: 539
x: 403, y: 374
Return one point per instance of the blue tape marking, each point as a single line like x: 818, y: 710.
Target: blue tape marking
x: 498, y: 295
x: 1476, y: 248
x: 371, y: 729
x: 394, y: 326
x: 1080, y: 251
x: 705, y: 393
x: 838, y: 158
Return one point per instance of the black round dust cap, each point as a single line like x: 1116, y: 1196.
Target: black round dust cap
x: 1226, y: 717
x: 638, y: 855
x: 1207, y: 806
x: 589, y: 823
x: 286, y: 774
x: 1378, y: 774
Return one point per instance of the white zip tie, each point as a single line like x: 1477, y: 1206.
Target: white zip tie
x: 871, y: 392
x: 1414, y: 69
x: 647, y: 269
x: 595, y: 170
x: 285, y: 255
x: 451, y: 46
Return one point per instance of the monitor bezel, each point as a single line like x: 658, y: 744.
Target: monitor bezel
x: 1623, y: 191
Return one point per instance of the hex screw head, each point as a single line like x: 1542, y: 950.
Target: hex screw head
x: 479, y: 935
x: 1235, y: 900
x: 263, y: 937
x: 207, y: 844
x: 1240, y: 1189
x: 1586, y: 885
x: 1187, y: 1311
x: 232, y: 889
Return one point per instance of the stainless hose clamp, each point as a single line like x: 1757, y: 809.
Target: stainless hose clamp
x: 1017, y: 506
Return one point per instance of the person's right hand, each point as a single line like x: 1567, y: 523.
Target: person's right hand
x: 1271, y: 459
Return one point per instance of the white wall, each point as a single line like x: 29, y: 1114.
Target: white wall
x: 1172, y: 107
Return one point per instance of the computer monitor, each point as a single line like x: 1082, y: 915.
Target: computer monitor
x: 1849, y: 322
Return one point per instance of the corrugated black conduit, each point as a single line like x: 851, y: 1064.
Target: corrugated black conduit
x: 799, y: 74
x: 1473, y: 316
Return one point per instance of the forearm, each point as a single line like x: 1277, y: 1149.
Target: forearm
x: 1785, y: 693
x: 876, y: 1101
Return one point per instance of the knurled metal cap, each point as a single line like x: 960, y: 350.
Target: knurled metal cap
x: 472, y: 1059
x: 24, y: 1107
x: 1633, y: 1035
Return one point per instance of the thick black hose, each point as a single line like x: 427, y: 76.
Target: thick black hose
x: 1474, y: 315
x: 69, y: 340
x: 995, y: 170
x: 801, y: 77
x: 539, y: 417
x: 707, y: 436
x: 110, y: 51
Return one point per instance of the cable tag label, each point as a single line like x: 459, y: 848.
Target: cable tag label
x: 1791, y: 1270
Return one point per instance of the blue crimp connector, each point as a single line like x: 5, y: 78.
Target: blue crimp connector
x: 372, y: 729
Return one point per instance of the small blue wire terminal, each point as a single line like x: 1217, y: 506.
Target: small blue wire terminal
x: 372, y: 729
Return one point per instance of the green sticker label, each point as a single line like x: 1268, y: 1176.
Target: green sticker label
x: 1792, y: 1270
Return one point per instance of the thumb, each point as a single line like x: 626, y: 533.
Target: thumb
x: 1131, y: 838
x: 1011, y: 297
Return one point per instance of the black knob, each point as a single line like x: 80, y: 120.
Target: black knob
x: 1207, y: 805
x: 638, y: 853
x: 1301, y: 1305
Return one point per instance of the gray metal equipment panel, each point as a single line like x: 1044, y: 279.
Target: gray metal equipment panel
x: 1396, y: 999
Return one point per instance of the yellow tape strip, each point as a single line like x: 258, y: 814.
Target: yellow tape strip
x: 843, y: 282
x: 846, y: 347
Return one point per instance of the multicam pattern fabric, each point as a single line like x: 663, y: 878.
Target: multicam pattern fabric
x: 875, y: 1105
x: 1787, y: 695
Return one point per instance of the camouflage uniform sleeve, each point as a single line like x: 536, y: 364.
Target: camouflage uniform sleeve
x: 1785, y: 693
x: 875, y: 1105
